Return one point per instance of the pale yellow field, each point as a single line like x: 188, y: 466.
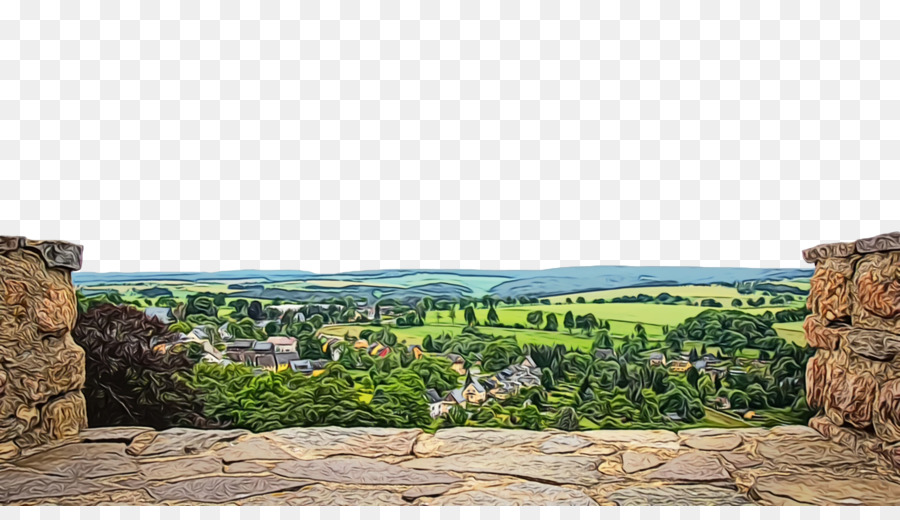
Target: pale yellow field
x: 719, y: 293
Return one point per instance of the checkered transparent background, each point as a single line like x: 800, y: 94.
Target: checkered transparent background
x: 342, y: 136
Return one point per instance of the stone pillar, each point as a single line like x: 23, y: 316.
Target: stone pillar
x: 854, y: 377
x: 41, y: 367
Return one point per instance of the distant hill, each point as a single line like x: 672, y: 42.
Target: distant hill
x: 410, y: 284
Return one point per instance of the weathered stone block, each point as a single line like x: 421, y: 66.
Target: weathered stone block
x: 850, y: 396
x: 817, y: 379
x: 872, y: 344
x: 824, y: 251
x: 820, y: 335
x: 885, y: 242
x: 41, y: 367
x: 830, y: 289
x: 875, y: 292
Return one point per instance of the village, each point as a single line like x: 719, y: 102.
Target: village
x: 280, y: 353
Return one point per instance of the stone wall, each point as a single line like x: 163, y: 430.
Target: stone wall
x: 854, y: 377
x: 41, y: 367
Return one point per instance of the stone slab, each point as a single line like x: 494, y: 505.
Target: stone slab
x: 314, y: 443
x: 678, y: 495
x: 180, y: 441
x: 819, y: 489
x: 360, y: 470
x: 81, y: 461
x: 253, y: 448
x: 454, y: 441
x: 219, y: 490
x: 691, y: 467
x: 554, y: 469
x: 564, y: 444
x: 517, y: 494
x: 20, y: 484
x: 636, y: 461
x: 726, y: 442
x: 180, y: 468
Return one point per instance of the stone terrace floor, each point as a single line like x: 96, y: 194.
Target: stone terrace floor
x: 463, y: 466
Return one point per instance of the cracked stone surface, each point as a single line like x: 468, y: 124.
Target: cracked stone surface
x: 464, y: 466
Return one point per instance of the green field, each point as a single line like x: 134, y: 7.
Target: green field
x: 621, y: 316
x: 721, y: 294
x: 415, y: 335
x: 792, y: 331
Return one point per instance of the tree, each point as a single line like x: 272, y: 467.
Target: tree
x: 580, y: 299
x: 452, y: 314
x: 240, y: 307
x: 535, y: 318
x: 255, y: 311
x: 566, y: 419
x: 492, y: 317
x: 435, y: 372
x: 587, y: 323
x: 500, y: 354
x: 640, y: 331
x: 127, y: 381
x: 552, y: 323
x: 547, y: 380
x: 569, y: 321
x: 737, y: 302
x: 602, y: 340
x: 470, y: 317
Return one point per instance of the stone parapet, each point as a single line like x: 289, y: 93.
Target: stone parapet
x: 41, y: 367
x: 854, y: 377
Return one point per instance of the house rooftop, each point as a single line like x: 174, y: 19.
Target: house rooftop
x: 286, y: 357
x: 263, y: 346
x: 281, y: 340
x: 455, y: 396
x: 432, y: 396
x: 241, y: 344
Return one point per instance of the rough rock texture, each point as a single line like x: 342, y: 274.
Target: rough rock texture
x: 693, y: 467
x: 854, y: 378
x: 41, y: 368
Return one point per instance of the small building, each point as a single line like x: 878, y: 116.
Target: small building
x: 264, y: 347
x: 529, y: 363
x: 361, y: 343
x: 304, y: 366
x: 283, y: 359
x: 680, y: 366
x: 700, y: 364
x: 415, y: 350
x: 435, y: 403
x: 458, y: 363
x: 266, y: 362
x: 750, y: 415
x: 721, y: 403
x: 163, y: 314
x: 657, y: 359
x: 379, y: 350
x: 240, y: 345
x: 283, y: 343
x: 474, y: 392
x: 709, y: 358
x: 453, y: 398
